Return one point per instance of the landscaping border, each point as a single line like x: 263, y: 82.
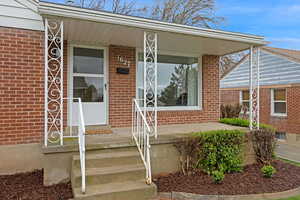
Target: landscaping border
x: 264, y: 196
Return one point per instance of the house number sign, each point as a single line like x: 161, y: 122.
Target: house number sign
x: 123, y: 61
x: 124, y: 69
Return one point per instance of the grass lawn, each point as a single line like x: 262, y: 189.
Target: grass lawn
x: 292, y: 198
x: 293, y: 163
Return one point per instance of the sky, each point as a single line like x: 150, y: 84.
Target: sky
x: 277, y: 20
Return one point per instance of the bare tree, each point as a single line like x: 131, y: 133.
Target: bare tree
x: 115, y: 6
x: 228, y: 62
x: 199, y: 13
x: 94, y: 4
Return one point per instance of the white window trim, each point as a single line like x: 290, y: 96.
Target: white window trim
x: 242, y: 101
x: 273, y: 105
x: 200, y: 82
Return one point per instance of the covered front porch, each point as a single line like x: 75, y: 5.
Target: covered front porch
x: 146, y: 81
x: 97, y: 63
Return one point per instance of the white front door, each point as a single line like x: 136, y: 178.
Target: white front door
x: 89, y: 83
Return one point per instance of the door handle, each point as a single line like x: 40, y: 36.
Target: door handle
x: 105, y: 86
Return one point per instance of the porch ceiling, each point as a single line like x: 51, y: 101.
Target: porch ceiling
x: 92, y: 33
x: 101, y: 28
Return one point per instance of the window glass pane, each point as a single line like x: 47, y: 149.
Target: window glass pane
x: 177, y: 80
x: 89, y: 61
x: 245, y: 95
x: 89, y: 89
x: 245, y: 106
x: 279, y: 95
x: 280, y: 107
x: 280, y: 135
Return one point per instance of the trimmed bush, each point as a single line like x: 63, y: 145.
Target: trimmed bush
x: 220, y: 150
x: 268, y: 171
x: 212, y: 151
x: 235, y: 122
x: 215, y: 152
x: 243, y: 123
x: 188, y: 149
x: 264, y: 144
x: 230, y: 111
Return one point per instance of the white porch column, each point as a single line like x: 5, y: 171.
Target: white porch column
x: 53, y: 81
x: 150, y: 80
x: 254, y: 76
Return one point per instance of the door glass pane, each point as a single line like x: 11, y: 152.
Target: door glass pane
x: 90, y: 61
x: 280, y: 107
x: 89, y: 89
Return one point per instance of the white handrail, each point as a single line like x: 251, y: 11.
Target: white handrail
x: 81, y: 143
x: 141, y: 135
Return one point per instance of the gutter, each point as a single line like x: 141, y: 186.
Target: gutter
x: 60, y: 10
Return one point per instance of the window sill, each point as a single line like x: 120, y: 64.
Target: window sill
x: 279, y: 115
x: 178, y: 108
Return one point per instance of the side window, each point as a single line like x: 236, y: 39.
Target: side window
x: 278, y: 102
x: 245, y: 100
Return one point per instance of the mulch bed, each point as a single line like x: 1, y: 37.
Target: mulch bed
x: 250, y: 181
x: 29, y: 186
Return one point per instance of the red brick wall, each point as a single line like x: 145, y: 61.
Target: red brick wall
x: 289, y: 124
x: 122, y: 89
x: 21, y: 86
x: 229, y: 97
x: 65, y: 86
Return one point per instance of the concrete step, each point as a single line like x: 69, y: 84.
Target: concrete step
x: 128, y: 190
x: 108, y: 159
x: 113, y: 174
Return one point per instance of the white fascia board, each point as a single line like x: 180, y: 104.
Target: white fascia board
x: 52, y: 9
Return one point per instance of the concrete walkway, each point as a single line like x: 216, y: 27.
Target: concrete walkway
x: 288, y: 151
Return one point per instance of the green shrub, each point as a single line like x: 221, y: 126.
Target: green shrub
x: 235, y: 122
x: 230, y: 111
x: 268, y: 171
x: 188, y: 149
x: 220, y: 150
x: 264, y: 144
x: 218, y: 176
x: 243, y: 123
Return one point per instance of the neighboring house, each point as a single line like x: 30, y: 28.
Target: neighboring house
x: 279, y: 89
x: 52, y: 54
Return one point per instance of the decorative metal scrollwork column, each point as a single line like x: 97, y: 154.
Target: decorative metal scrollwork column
x: 53, y: 81
x: 150, y: 80
x: 254, y: 77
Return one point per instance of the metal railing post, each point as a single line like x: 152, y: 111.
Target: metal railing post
x: 142, y: 138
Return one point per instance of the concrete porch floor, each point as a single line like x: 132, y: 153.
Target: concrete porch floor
x: 174, y: 130
x: 121, y: 137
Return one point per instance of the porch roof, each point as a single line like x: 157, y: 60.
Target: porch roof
x: 100, y: 27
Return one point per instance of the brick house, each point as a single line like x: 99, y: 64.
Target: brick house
x: 67, y: 71
x: 279, y: 89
